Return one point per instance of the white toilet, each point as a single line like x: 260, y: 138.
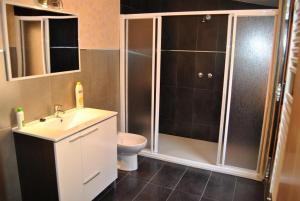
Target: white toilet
x: 129, y: 145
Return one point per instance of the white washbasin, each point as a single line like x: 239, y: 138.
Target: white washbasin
x: 72, y: 121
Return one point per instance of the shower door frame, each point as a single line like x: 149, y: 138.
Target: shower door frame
x: 225, y: 85
x: 124, y: 72
x: 157, y: 26
x: 263, y: 147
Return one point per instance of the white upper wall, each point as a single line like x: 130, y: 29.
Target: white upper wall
x: 99, y: 21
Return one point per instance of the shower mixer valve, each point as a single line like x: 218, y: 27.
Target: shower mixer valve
x: 200, y: 75
x: 209, y: 75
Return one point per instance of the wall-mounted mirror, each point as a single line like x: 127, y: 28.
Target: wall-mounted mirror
x: 39, y: 42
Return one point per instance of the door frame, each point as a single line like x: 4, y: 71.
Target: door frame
x: 263, y: 147
x: 288, y: 64
x: 124, y: 73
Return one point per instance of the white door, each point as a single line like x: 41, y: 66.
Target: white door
x: 108, y: 152
x: 293, y: 63
x: 69, y: 168
x: 99, y: 150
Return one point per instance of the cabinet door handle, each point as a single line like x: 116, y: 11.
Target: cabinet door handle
x: 90, y: 132
x: 75, y: 139
x: 92, y: 177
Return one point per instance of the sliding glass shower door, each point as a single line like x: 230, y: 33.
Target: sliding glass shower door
x: 249, y: 77
x: 139, y: 71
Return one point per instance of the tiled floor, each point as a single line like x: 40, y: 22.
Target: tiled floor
x: 159, y: 181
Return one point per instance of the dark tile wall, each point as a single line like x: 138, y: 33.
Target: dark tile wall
x: 150, y: 6
x: 191, y: 33
x: 190, y: 106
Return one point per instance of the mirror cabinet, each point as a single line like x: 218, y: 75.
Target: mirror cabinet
x: 39, y: 42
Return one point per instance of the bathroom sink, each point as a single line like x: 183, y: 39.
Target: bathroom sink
x: 72, y: 121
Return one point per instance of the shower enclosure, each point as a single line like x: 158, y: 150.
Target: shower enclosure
x: 198, y: 86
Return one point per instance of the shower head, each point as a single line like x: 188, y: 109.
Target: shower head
x: 206, y: 18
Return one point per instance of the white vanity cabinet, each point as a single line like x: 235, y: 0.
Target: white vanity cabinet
x: 86, y: 163
x: 75, y: 165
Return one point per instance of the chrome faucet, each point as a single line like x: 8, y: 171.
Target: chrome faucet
x: 58, y: 109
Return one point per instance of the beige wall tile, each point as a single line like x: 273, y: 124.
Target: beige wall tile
x: 63, y: 91
x: 33, y: 95
x: 114, y: 75
x: 10, y: 97
x: 9, y: 178
x: 1, y: 35
x: 85, y: 76
x: 100, y: 78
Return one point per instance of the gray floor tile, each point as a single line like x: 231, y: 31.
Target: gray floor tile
x: 194, y: 181
x: 169, y: 175
x: 126, y: 190
x: 147, y: 169
x: 220, y: 187
x: 249, y: 190
x: 181, y: 196
x: 153, y: 193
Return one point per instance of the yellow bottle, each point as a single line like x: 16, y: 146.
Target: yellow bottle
x: 79, y: 95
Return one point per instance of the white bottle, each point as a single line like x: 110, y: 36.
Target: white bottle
x: 79, y: 95
x: 20, y: 117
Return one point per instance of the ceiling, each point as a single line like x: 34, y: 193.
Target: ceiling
x: 273, y: 3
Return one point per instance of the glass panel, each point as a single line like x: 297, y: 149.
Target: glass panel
x: 63, y: 39
x: 253, y: 55
x: 139, y: 75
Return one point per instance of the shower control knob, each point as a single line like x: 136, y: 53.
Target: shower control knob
x: 209, y: 75
x: 200, y: 75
